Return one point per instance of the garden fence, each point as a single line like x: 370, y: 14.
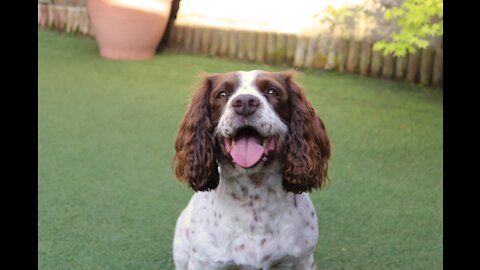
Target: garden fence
x: 331, y: 49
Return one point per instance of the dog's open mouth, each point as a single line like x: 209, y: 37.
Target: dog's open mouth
x: 248, y: 147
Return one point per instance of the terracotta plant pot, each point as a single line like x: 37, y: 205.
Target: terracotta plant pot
x: 128, y: 29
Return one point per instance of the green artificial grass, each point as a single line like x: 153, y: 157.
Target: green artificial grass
x: 108, y: 199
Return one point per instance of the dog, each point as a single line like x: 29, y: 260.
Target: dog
x: 251, y: 146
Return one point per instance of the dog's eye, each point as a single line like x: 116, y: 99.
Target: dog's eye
x: 223, y: 94
x: 271, y: 91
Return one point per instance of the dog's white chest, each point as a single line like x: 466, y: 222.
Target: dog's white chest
x: 254, y: 227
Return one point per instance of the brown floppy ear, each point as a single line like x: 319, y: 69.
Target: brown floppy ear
x: 194, y: 162
x: 307, y: 147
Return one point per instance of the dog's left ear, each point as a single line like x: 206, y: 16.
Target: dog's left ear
x: 307, y: 146
x: 195, y: 162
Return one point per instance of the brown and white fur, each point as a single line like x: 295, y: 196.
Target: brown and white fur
x: 251, y: 209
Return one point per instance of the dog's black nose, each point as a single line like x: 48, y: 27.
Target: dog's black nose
x: 245, y: 104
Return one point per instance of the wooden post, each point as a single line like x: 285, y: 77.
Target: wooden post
x: 75, y: 16
x: 74, y: 23
x: 88, y: 25
x: 224, y: 40
x: 43, y: 14
x: 188, y: 41
x: 376, y: 68
x: 85, y: 25
x: 43, y: 20
x: 260, y: 48
x: 280, y: 48
x: 58, y: 23
x: 300, y: 51
x: 364, y: 35
x: 251, y: 42
x: 69, y: 23
x: 437, y: 78
x: 39, y: 16
x: 51, y: 15
x: 173, y: 38
x: 333, y: 47
x: 232, y: 43
x: 173, y: 34
x: 400, y: 67
x: 62, y: 17
x: 56, y: 17
x: 322, y: 49
x: 82, y: 13
x: 413, y: 67
x: 356, y: 34
x: 353, y: 56
x: 271, y: 48
x: 215, y: 41
x: 206, y: 39
x: 365, y: 57
x: 197, y: 37
x: 342, y: 55
x: 388, y: 66
x: 242, y: 45
x: 178, y: 36
x: 311, y: 50
x: 291, y: 48
x: 426, y: 66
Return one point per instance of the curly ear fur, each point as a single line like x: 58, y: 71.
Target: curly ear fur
x: 307, y: 147
x: 194, y: 162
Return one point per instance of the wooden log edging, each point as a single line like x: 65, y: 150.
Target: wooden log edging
x: 321, y: 51
x: 328, y: 50
x: 64, y: 18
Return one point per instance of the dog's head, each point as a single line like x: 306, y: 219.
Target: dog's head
x: 247, y: 121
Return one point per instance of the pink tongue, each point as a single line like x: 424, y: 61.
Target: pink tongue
x: 247, y: 151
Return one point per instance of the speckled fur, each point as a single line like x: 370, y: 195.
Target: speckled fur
x: 248, y: 222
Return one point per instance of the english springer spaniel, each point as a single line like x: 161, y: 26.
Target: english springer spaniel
x: 251, y: 146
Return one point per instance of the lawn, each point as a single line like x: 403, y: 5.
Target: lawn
x: 107, y: 198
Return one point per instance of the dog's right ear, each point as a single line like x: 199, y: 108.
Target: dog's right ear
x: 195, y: 162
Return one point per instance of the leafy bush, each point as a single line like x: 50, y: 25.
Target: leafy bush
x: 417, y: 19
